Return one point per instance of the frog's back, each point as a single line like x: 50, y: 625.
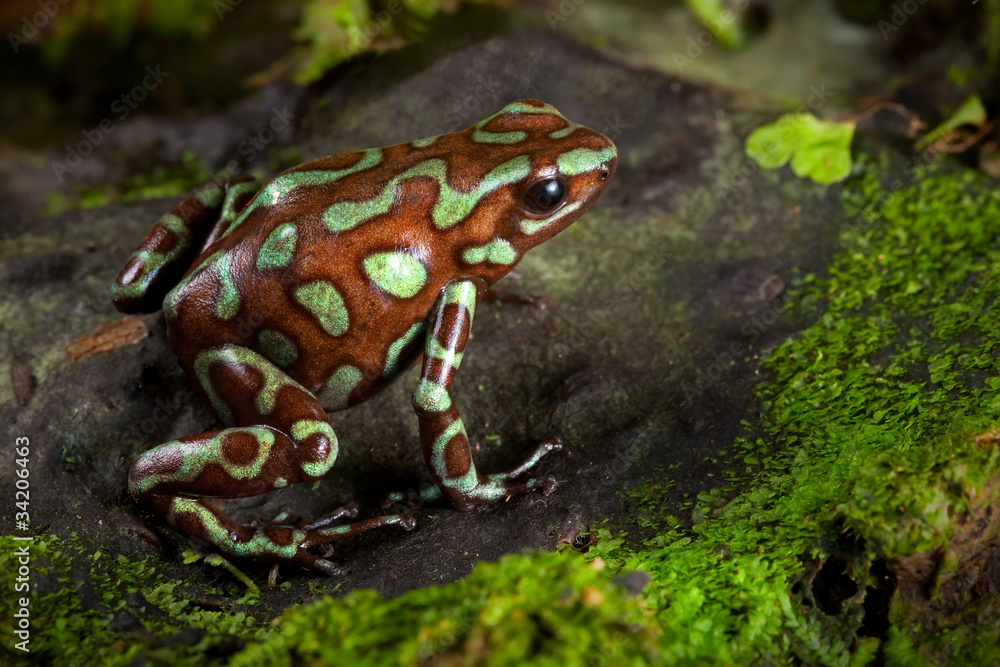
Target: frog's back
x: 333, y: 267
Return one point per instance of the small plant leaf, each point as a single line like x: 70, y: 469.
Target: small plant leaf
x: 970, y: 112
x: 818, y: 149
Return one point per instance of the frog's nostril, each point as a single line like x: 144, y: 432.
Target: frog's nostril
x: 604, y: 172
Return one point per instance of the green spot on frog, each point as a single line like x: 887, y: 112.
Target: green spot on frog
x: 210, y: 197
x: 582, y: 160
x: 228, y: 298
x: 496, y: 251
x: 432, y: 397
x: 278, y: 347
x: 325, y: 303
x: 392, y: 358
x: 339, y: 387
x: 278, y: 248
x: 424, y: 143
x: 484, y: 137
x: 282, y: 184
x: 398, y: 273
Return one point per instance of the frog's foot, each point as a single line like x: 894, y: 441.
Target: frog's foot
x: 489, y: 488
x: 272, y: 542
x: 536, y: 302
x: 288, y: 518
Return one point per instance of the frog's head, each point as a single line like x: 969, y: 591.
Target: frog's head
x: 562, y: 168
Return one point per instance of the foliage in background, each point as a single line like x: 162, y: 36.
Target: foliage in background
x: 724, y: 23
x: 120, y: 18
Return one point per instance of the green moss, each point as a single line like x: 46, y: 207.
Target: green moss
x: 78, y: 600
x: 870, y: 415
x: 162, y: 181
x: 544, y: 606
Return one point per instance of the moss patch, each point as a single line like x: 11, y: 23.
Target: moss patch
x: 870, y: 454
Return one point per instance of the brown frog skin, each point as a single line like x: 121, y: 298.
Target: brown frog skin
x: 314, y: 292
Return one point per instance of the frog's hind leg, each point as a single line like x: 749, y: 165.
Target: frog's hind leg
x: 282, y: 437
x: 175, y: 241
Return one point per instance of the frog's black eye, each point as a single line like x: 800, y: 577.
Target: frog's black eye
x: 544, y: 196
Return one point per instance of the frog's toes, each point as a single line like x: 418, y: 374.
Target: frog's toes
x: 347, y: 511
x: 428, y: 494
x: 329, y: 567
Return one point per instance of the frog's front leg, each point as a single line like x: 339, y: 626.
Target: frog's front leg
x: 442, y: 433
x: 280, y: 436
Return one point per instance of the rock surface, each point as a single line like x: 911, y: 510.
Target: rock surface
x: 661, y: 298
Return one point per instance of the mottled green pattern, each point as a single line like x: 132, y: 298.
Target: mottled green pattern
x: 581, y: 160
x: 210, y: 197
x: 278, y: 247
x: 197, y: 454
x: 484, y: 137
x: 392, y: 358
x: 423, y: 143
x: 227, y: 302
x: 304, y: 428
x: 259, y: 545
x: 431, y: 397
x: 150, y: 260
x: 274, y: 378
x: 174, y: 297
x: 345, y: 215
x: 325, y: 303
x: 229, y: 210
x: 339, y: 387
x: 565, y: 132
x: 452, y: 206
x: 285, y: 183
x: 278, y: 347
x: 398, y: 273
x: 497, y: 251
x: 529, y: 226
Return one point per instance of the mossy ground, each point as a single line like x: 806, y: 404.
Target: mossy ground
x: 865, y: 452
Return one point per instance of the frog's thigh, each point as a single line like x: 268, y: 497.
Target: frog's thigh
x: 280, y: 434
x: 175, y: 241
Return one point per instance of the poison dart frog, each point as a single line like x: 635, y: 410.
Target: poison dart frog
x: 313, y: 292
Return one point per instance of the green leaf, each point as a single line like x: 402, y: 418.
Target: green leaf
x: 818, y: 149
x: 971, y: 112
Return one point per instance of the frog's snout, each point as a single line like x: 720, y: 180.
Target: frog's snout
x: 607, y: 168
